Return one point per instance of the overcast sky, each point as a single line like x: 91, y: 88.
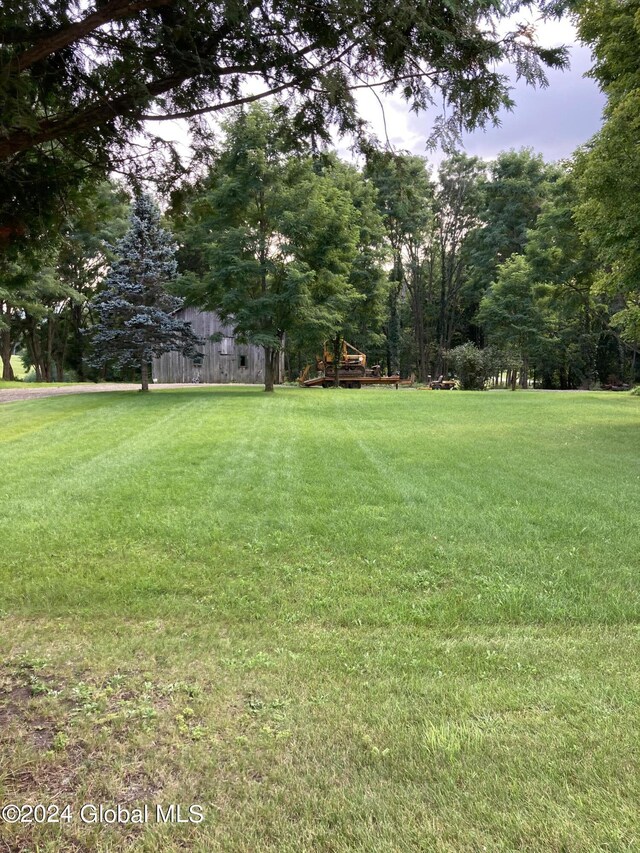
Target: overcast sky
x: 553, y: 121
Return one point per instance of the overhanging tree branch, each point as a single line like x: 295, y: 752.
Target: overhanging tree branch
x: 112, y: 11
x: 125, y: 105
x: 212, y: 108
x: 80, y: 84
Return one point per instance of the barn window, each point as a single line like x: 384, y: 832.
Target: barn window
x: 243, y: 361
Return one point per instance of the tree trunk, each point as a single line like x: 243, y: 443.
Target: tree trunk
x: 621, y: 354
x: 336, y: 361
x: 277, y: 371
x: 144, y: 375
x: 270, y: 354
x: 419, y: 332
x: 442, y: 306
x: 60, y: 342
x: 79, y: 340
x: 49, y: 349
x: 34, y: 345
x: 5, y: 352
x: 393, y: 335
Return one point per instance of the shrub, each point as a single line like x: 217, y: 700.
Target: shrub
x: 470, y: 365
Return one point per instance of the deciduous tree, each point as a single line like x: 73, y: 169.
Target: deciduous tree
x: 514, y: 194
x: 511, y: 314
x: 271, y: 241
x: 459, y: 202
x: 406, y: 201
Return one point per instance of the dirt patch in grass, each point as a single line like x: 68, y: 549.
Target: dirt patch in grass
x: 13, y: 702
x: 48, y: 727
x: 21, y: 715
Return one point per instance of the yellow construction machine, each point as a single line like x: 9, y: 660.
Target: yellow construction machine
x: 352, y: 364
x: 352, y: 370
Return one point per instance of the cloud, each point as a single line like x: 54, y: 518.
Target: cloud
x: 553, y: 121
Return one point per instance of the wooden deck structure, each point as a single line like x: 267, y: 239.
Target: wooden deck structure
x: 224, y: 361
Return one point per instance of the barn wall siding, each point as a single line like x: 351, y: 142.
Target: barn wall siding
x: 222, y: 359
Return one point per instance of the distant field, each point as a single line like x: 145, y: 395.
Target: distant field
x: 19, y: 372
x: 18, y: 368
x: 368, y: 620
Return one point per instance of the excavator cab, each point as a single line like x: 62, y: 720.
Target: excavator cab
x: 352, y: 362
x: 351, y: 370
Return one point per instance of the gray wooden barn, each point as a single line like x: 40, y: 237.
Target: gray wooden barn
x: 224, y: 360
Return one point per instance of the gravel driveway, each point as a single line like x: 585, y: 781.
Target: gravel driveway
x: 12, y: 395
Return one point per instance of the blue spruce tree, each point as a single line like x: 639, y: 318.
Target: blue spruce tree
x: 135, y: 311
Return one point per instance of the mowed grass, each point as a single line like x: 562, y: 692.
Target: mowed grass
x: 18, y: 367
x: 20, y: 373
x: 368, y: 620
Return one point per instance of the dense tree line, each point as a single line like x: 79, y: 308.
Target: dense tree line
x: 514, y: 269
x: 485, y: 253
x: 46, y: 287
x: 417, y: 267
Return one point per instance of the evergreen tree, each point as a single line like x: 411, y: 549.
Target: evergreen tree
x: 134, y: 308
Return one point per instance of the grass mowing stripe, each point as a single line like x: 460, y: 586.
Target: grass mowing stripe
x: 369, y: 620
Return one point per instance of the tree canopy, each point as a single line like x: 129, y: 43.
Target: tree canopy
x: 45, y: 289
x: 78, y: 81
x: 271, y: 239
x: 608, y: 166
x: 285, y: 241
x: 295, y: 248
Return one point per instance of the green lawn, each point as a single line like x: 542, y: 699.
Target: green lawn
x: 368, y: 620
x: 20, y: 373
x: 18, y: 367
x: 20, y: 383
